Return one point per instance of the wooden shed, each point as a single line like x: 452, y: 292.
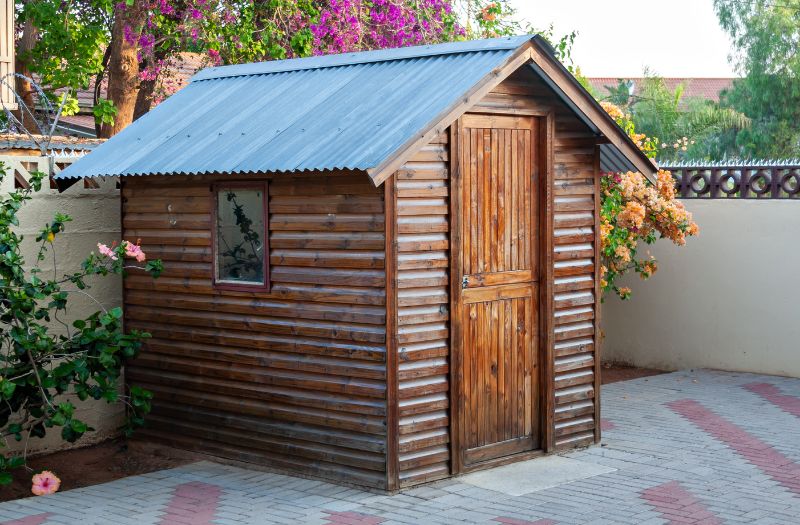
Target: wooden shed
x: 380, y: 267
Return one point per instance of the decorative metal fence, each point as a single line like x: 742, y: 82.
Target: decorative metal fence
x: 746, y: 180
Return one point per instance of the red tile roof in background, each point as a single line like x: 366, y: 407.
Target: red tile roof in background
x: 705, y: 88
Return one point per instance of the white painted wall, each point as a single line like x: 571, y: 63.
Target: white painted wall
x: 729, y: 300
x: 96, y: 218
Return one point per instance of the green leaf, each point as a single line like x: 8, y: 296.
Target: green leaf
x: 6, y: 478
x: 78, y: 426
x: 7, y: 388
x: 58, y: 419
x: 69, y: 435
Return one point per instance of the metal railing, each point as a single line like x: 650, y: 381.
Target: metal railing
x: 759, y: 179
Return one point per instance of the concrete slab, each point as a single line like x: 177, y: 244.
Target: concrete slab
x: 537, y: 474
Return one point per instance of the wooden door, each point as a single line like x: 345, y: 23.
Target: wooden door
x: 497, y: 380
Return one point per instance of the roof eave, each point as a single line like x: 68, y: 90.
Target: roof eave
x: 547, y: 65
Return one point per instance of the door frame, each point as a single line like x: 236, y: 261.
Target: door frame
x: 544, y: 265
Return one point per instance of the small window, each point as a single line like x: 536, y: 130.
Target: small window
x: 241, y: 252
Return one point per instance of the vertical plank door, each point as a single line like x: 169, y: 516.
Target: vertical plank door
x: 498, y: 409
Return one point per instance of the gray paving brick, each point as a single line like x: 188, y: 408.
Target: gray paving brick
x: 650, y: 446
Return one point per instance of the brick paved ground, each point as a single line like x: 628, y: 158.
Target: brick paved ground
x: 704, y: 447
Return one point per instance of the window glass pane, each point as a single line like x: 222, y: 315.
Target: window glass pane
x: 240, y: 236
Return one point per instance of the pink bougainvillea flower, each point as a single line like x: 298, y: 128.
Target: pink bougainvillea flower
x: 134, y: 250
x: 45, y: 483
x: 105, y: 250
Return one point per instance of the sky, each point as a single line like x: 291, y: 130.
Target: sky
x: 618, y: 38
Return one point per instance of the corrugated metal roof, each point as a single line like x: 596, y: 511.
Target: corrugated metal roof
x: 352, y: 111
x: 347, y: 111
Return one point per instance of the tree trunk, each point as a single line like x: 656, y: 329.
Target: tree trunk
x: 23, y: 87
x: 147, y: 88
x: 98, y: 86
x: 123, y: 69
x: 144, y: 101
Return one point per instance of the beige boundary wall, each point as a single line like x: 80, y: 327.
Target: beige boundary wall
x: 96, y: 218
x: 729, y: 300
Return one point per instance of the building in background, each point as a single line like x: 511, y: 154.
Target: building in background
x: 702, y: 88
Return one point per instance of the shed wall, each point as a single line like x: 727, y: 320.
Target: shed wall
x: 294, y: 378
x: 297, y: 378
x: 422, y: 226
x: 422, y: 187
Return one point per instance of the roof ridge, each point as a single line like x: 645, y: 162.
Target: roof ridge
x: 362, y: 57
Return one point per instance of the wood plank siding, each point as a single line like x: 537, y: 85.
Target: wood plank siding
x: 344, y: 368
x: 422, y: 234
x: 295, y: 378
x: 568, y: 278
x: 573, y: 415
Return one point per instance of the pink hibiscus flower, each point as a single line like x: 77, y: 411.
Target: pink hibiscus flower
x: 134, y: 250
x: 45, y: 483
x: 105, y: 250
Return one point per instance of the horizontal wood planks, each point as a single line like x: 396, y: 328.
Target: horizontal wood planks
x: 574, y: 294
x: 295, y: 378
x: 422, y: 231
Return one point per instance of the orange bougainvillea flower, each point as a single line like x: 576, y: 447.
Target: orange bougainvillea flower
x: 613, y: 110
x: 633, y: 210
x: 631, y: 216
x: 45, y: 483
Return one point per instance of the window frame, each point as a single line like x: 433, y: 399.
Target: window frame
x: 216, y: 188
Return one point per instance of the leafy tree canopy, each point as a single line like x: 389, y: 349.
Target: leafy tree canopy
x: 765, y: 36
x: 74, y: 42
x: 680, y: 127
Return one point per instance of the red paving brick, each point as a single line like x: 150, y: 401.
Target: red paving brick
x: 192, y: 503
x: 769, y: 460
x: 772, y: 394
x: 36, y: 519
x: 677, y: 505
x: 606, y: 424
x: 736, y: 461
